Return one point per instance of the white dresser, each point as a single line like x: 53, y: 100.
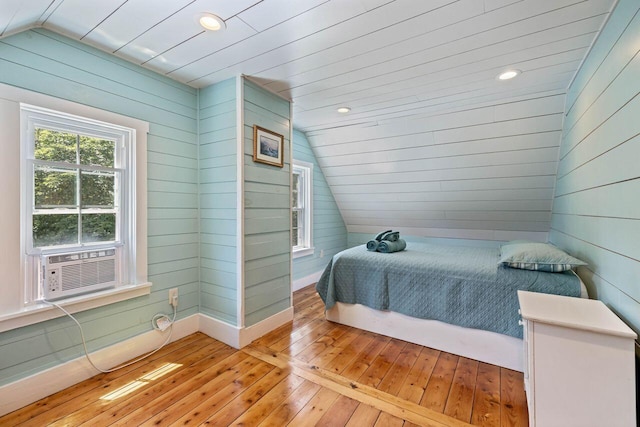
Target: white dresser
x: 578, y: 363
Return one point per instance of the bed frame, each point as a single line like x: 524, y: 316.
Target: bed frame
x: 485, y: 346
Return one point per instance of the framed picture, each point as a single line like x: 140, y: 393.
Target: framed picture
x: 267, y: 147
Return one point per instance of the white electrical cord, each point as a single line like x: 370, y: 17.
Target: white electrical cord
x: 153, y: 323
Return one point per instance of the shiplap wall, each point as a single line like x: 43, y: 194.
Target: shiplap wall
x: 44, y: 62
x: 480, y: 172
x: 329, y: 231
x: 267, y: 200
x: 596, y: 211
x: 218, y: 193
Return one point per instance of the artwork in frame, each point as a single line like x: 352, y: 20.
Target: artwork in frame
x: 268, y: 147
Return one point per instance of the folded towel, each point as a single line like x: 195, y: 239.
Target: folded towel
x: 380, y: 235
x: 392, y: 236
x: 386, y: 247
x: 372, y: 245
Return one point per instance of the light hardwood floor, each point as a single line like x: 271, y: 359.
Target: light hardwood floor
x: 309, y: 372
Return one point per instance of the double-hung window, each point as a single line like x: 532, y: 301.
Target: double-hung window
x: 301, y: 207
x: 78, y: 185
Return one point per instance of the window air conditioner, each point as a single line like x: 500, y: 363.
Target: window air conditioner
x: 78, y: 272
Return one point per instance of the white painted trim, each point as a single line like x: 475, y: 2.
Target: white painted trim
x: 485, y: 346
x: 299, y: 253
x: 219, y: 330
x: 307, y: 169
x: 22, y: 392
x: 239, y: 201
x: 41, y: 311
x: 291, y: 254
x: 253, y: 332
x: 305, y: 281
x: 239, y: 337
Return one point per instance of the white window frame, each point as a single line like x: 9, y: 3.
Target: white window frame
x: 305, y: 170
x: 32, y: 117
x: 16, y: 307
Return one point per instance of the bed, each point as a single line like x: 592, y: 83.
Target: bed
x: 452, y: 298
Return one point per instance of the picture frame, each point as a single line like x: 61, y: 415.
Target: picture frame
x: 268, y: 147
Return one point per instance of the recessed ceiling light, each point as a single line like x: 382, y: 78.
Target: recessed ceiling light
x: 210, y: 22
x: 509, y: 74
x: 344, y: 110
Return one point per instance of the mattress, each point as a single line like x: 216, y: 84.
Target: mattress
x: 463, y: 286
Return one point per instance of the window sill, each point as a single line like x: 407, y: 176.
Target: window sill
x: 298, y: 253
x: 41, y: 312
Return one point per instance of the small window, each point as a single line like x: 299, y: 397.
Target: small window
x: 301, y: 209
x: 78, y: 189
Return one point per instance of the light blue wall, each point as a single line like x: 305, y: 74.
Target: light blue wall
x: 596, y: 211
x: 329, y: 231
x: 267, y: 228
x: 44, y: 62
x: 218, y: 201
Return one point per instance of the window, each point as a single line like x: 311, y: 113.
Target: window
x: 301, y: 197
x: 79, y: 190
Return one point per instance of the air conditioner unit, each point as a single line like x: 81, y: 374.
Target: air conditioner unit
x: 78, y: 272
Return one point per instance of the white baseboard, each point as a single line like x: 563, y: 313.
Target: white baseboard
x: 219, y: 330
x: 239, y: 337
x: 253, y: 332
x: 22, y: 392
x: 306, y: 281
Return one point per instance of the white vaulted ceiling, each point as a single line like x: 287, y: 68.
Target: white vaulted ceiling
x: 433, y: 144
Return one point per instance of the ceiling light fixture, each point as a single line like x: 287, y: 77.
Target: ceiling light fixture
x: 509, y: 74
x: 344, y: 110
x: 210, y: 22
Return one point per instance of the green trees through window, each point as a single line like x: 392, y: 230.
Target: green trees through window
x: 75, y: 185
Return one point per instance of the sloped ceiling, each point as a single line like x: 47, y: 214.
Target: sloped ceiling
x: 433, y: 145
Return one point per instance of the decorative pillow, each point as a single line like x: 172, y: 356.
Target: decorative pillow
x: 537, y: 256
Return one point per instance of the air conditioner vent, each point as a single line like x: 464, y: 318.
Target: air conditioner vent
x: 78, y: 272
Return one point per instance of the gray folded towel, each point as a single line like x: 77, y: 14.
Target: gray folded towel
x: 387, y: 247
x: 380, y: 235
x: 392, y: 237
x: 372, y: 245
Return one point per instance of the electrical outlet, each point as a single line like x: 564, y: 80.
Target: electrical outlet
x: 173, y: 296
x: 321, y: 253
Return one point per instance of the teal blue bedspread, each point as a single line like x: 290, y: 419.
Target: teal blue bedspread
x: 463, y: 286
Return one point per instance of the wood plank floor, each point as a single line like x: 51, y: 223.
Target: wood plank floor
x: 309, y: 372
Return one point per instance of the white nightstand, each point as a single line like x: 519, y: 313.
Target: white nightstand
x: 578, y: 363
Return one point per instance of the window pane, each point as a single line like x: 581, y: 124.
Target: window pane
x: 97, y: 189
x: 98, y: 227
x: 55, y: 146
x: 96, y: 151
x: 300, y: 232
x: 54, y: 187
x: 50, y: 230
x: 297, y: 228
x: 295, y: 189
